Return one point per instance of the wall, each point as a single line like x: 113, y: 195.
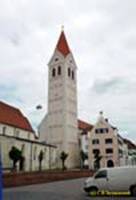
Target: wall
x: 42, y: 177
x: 30, y: 151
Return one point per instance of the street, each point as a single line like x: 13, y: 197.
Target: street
x: 62, y: 190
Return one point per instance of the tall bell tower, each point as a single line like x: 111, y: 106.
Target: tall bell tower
x: 59, y: 127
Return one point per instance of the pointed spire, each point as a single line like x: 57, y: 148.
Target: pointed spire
x: 62, y: 44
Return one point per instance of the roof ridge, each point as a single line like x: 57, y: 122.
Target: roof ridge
x: 8, y: 105
x: 14, y: 116
x: 84, y: 122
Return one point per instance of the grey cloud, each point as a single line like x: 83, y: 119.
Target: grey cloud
x: 102, y: 86
x: 111, y: 86
x: 101, y: 34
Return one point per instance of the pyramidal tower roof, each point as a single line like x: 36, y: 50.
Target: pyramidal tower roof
x: 62, y: 45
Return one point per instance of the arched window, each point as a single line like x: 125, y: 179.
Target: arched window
x: 59, y: 70
x: 35, y: 153
x: 69, y: 72
x: 73, y: 75
x: 53, y: 72
x: 23, y: 148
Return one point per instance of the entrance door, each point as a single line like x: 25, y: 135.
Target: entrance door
x: 110, y: 163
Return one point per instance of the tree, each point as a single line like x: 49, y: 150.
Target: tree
x: 40, y: 158
x: 84, y: 157
x: 15, y: 155
x: 63, y: 157
x: 97, y: 157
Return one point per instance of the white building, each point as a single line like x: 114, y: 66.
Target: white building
x: 131, y: 152
x: 83, y: 133
x: 16, y: 131
x: 59, y: 126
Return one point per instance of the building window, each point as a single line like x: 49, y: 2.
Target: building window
x: 23, y: 148
x: 95, y: 141
x: 120, y: 151
x: 106, y: 130
x: 16, y: 133
x: 4, y: 130
x: 69, y: 72
x: 109, y: 150
x: 96, y: 130
x: 59, y: 70
x: 101, y: 130
x: 73, y: 75
x: 108, y: 141
x: 53, y: 72
x: 96, y: 151
x: 56, y: 59
x: 35, y: 153
x: 29, y: 135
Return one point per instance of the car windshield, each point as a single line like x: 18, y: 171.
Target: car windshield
x: 100, y: 174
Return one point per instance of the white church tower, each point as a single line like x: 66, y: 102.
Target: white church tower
x: 59, y: 127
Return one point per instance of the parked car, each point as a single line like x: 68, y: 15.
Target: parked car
x: 116, y: 179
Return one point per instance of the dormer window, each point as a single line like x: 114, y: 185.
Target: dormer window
x: 69, y: 72
x: 53, y: 72
x: 102, y: 130
x: 59, y: 70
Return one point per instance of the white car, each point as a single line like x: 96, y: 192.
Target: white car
x: 116, y: 179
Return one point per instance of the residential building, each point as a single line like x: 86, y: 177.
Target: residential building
x: 105, y: 140
x: 84, y: 130
x: 131, y: 152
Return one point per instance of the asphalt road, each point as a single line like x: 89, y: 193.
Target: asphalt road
x: 62, y: 190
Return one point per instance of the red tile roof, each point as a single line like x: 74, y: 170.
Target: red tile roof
x: 12, y: 116
x: 84, y: 125
x: 62, y: 44
x: 130, y: 144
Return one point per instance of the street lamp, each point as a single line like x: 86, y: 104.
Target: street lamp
x: 39, y: 107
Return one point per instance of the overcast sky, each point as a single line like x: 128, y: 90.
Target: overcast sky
x: 102, y: 37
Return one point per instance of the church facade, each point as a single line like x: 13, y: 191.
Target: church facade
x: 16, y: 131
x: 60, y: 127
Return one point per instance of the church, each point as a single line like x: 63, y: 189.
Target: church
x: 60, y: 130
x: 60, y: 125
